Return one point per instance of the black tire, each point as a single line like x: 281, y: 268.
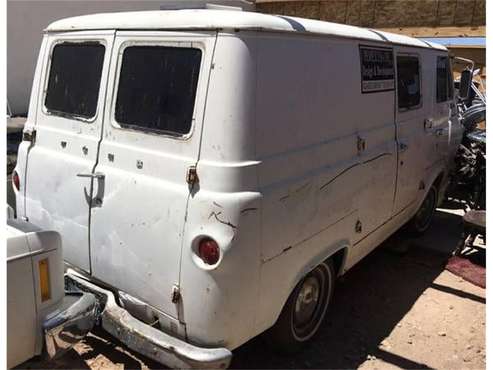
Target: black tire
x: 424, y: 216
x: 300, y: 318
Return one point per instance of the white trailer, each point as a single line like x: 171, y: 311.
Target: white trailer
x: 42, y: 319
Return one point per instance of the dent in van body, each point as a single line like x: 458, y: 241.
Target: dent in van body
x: 220, y: 302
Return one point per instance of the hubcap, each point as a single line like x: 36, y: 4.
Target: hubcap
x: 307, y: 300
x: 311, y: 303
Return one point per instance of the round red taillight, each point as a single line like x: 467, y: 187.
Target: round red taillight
x: 209, y: 251
x: 16, y: 181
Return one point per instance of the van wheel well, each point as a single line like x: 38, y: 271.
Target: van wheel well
x: 338, y: 259
x: 438, y: 181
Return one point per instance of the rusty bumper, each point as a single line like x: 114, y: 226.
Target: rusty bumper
x: 149, y: 341
x: 75, y: 319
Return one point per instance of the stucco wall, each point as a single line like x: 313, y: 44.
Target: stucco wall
x: 26, y: 20
x: 25, y: 23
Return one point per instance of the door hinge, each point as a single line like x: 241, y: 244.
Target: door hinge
x: 29, y: 136
x: 192, y: 177
x: 175, y: 294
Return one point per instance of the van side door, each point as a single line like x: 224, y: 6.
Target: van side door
x: 409, y: 127
x: 64, y: 145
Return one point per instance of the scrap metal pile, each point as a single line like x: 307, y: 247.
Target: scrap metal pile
x: 469, y: 179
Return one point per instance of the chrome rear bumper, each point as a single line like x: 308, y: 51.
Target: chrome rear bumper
x: 70, y: 324
x: 149, y: 341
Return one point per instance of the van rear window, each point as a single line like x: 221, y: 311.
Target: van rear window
x: 75, y: 76
x: 157, y: 88
x: 409, y: 84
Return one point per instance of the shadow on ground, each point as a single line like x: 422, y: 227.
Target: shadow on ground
x: 369, y: 302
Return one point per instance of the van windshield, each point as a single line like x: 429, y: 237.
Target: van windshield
x: 157, y: 88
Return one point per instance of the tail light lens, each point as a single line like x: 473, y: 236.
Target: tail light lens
x: 209, y: 251
x: 16, y: 181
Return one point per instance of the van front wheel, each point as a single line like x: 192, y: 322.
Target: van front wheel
x: 304, y: 310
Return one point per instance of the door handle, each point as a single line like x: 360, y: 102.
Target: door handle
x: 402, y: 147
x: 97, y: 175
x: 97, y: 201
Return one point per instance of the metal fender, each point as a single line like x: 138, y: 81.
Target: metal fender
x: 432, y: 174
x: 323, y: 256
x: 314, y: 262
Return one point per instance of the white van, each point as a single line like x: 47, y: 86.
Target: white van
x: 212, y: 172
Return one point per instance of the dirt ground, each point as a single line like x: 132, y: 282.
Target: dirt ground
x: 398, y: 308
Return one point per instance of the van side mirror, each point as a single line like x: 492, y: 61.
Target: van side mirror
x: 465, y: 83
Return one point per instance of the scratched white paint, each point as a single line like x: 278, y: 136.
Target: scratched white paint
x: 281, y: 184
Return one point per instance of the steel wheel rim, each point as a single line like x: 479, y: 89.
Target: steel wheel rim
x: 311, y: 303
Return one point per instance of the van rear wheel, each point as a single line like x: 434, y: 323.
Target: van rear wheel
x: 304, y: 310
x: 422, y: 219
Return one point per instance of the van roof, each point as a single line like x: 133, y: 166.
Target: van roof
x: 213, y: 19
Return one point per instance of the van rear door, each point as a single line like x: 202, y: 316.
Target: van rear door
x: 68, y: 130
x: 150, y: 139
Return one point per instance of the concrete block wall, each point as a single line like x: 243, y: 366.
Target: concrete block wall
x: 384, y: 13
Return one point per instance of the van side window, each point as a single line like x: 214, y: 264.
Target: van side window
x: 444, y: 85
x: 75, y: 76
x: 157, y: 88
x: 409, y: 84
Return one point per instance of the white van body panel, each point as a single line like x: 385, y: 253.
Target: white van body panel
x: 226, y: 205
x: 295, y: 164
x: 193, y: 19
x: 316, y: 185
x: 29, y: 126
